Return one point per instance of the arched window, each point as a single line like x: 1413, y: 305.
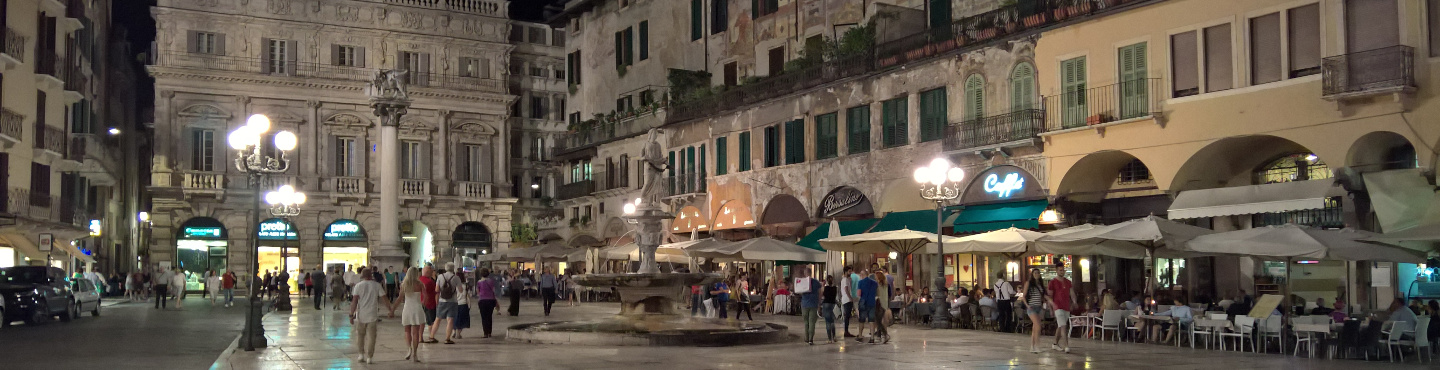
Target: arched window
x: 1293, y: 167
x: 1022, y: 87
x: 1134, y: 172
x: 974, y: 97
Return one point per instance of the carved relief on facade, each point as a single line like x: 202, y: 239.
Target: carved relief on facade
x: 347, y: 13
x: 278, y: 7
x: 413, y: 129
x: 472, y: 131
x: 348, y: 124
x: 412, y: 21
x: 205, y: 112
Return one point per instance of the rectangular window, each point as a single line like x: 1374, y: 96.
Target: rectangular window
x: 202, y: 150
x: 777, y: 60
x: 1370, y: 25
x: 1265, y: 49
x: 1185, y: 67
x: 1134, y: 87
x: 722, y: 149
x: 644, y: 40
x: 419, y: 66
x: 1432, y: 17
x: 280, y: 57
x: 475, y: 163
x: 537, y: 35
x: 719, y: 16
x: 1219, y: 69
x: 772, y: 146
x: 348, y: 56
x: 411, y: 160
x: 697, y: 19
x: 827, y: 136
x: 557, y: 38
x: 894, y: 121
x: 1072, y: 89
x: 744, y: 157
x: 1304, y: 32
x: 795, y: 141
x: 764, y: 7
x: 933, y: 114
x: 39, y: 185
x: 574, y: 64
x: 537, y: 107
x: 732, y: 74
x: 205, y: 43
x: 474, y: 67
x: 857, y: 129
x: 347, y: 155
x: 629, y: 46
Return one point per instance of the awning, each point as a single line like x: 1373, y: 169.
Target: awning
x: 988, y: 217
x: 1400, y: 198
x: 923, y: 220
x: 1252, y: 199
x: 853, y: 227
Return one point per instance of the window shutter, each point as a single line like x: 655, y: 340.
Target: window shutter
x: 292, y: 57
x: 1185, y: 68
x: 629, y: 46
x: 424, y: 78
x: 1304, y: 30
x: 1134, y: 88
x: 744, y: 151
x: 644, y: 40
x: 265, y: 56
x: 220, y: 44
x: 619, y: 49
x: 754, y: 9
x: 362, y: 164
x: 974, y: 97
x: 1022, y: 84
x: 192, y: 42
x: 1219, y: 67
x: 334, y: 54
x: 697, y: 19
x: 1265, y: 49
x: 721, y: 151
x: 700, y: 171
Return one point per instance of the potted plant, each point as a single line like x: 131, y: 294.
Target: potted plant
x: 1078, y: 8
x: 1034, y: 20
x: 1097, y: 119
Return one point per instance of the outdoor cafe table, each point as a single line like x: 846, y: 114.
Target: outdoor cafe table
x: 1213, y: 327
x: 1158, y: 319
x: 1312, y: 331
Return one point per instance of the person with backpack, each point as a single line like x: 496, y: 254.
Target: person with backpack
x: 446, y: 285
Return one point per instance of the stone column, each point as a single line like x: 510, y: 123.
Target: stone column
x: 390, y: 104
x: 310, y: 147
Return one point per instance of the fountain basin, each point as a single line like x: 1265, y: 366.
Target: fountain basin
x: 648, y: 294
x: 650, y: 331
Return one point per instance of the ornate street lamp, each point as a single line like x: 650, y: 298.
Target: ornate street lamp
x: 940, y: 183
x: 256, y: 163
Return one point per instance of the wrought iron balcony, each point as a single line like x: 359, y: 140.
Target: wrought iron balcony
x: 12, y: 126
x: 575, y: 190
x: 1331, y: 216
x: 1019, y: 125
x: 50, y: 138
x: 14, y: 44
x: 687, y: 183
x: 183, y: 60
x: 1083, y: 107
x: 1379, y: 71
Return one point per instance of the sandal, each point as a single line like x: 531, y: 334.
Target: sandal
x: 431, y: 340
x: 447, y: 341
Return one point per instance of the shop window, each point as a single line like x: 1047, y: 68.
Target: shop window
x: 1134, y: 172
x: 1294, y: 167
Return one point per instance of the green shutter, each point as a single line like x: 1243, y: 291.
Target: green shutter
x: 826, y: 136
x: 1133, y: 87
x: 700, y: 171
x: 1022, y: 88
x: 933, y: 114
x: 1072, y: 87
x: 857, y: 129
x: 974, y: 98
x: 687, y: 179
x: 697, y: 19
x: 722, y: 163
x: 619, y: 50
x: 754, y: 9
x: 744, y: 157
x: 644, y: 40
x: 894, y: 117
x: 795, y: 141
x: 940, y: 16
x: 629, y: 46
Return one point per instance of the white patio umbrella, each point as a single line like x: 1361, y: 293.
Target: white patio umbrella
x: 549, y: 253
x: 1422, y: 238
x: 903, y: 242
x: 631, y: 252
x: 1291, y: 242
x: 1142, y: 238
x: 758, y: 249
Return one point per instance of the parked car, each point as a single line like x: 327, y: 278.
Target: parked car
x: 87, y: 299
x: 35, y: 294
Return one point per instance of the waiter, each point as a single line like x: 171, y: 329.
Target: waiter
x: 1005, y: 302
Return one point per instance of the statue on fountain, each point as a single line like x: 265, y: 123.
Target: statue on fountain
x: 655, y: 167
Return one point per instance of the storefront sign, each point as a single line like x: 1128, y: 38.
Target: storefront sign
x: 1004, y: 188
x: 844, y: 201
x: 1003, y: 183
x: 94, y: 227
x: 47, y: 242
x: 276, y: 229
x: 202, y: 232
x: 345, y: 230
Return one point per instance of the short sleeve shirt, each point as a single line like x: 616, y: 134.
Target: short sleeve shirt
x: 1060, y: 289
x: 367, y: 301
x: 427, y: 295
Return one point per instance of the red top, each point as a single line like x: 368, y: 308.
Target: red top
x: 427, y: 295
x: 1060, y: 290
x: 227, y: 280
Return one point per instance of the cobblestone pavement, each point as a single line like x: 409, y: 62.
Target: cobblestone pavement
x: 307, y: 339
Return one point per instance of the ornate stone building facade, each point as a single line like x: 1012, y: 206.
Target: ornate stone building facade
x: 305, y: 66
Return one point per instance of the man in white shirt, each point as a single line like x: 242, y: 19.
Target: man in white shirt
x: 847, y: 302
x: 365, y: 313
x: 161, y: 283
x: 351, y: 278
x: 1005, y: 302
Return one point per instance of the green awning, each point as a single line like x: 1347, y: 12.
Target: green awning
x: 853, y: 227
x: 923, y: 220
x: 988, y: 217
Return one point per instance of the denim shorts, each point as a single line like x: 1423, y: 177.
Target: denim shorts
x: 446, y: 310
x: 867, y: 312
x: 1037, y: 310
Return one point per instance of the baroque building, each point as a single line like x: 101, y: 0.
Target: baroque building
x: 305, y: 65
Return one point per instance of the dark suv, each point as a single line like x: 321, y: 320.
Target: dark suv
x: 35, y: 294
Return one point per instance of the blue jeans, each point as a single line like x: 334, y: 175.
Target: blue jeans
x: 697, y: 305
x: 849, y: 308
x: 827, y: 310
x: 229, y: 295
x: 720, y: 305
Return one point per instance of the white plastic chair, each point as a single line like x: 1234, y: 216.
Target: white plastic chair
x: 1218, y: 316
x: 1397, y: 329
x: 1110, y: 320
x: 1206, y: 328
x: 1082, y: 322
x: 1421, y: 339
x: 1244, y: 328
x: 1133, y: 324
x: 1272, y: 329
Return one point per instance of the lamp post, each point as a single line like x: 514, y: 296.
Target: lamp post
x: 285, y: 203
x: 256, y: 163
x: 940, y: 183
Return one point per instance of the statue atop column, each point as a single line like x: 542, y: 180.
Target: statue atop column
x: 388, y: 84
x: 655, y: 167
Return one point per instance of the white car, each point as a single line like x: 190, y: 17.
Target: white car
x: 86, y: 297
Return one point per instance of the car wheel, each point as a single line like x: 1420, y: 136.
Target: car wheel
x: 96, y: 312
x: 40, y: 314
x: 69, y: 312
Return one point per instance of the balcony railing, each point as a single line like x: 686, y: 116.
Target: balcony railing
x: 50, y: 138
x: 575, y: 190
x: 11, y: 124
x: 14, y: 44
x: 75, y: 80
x: 203, y: 180
x: 482, y: 7
x: 77, y: 149
x: 1097, y: 105
x: 474, y: 190
x: 1014, y: 126
x: 41, y: 206
x: 345, y: 185
x: 320, y: 70
x: 47, y: 64
x: 687, y: 183
x: 602, y: 133
x: 1331, y: 216
x: 414, y: 188
x: 1382, y: 70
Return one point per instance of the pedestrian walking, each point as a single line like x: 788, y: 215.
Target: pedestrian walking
x: 303, y: 284
x: 882, y: 300
x: 267, y: 284
x: 337, y: 289
x: 390, y: 282
x: 317, y: 286
x: 721, y: 291
x: 177, y: 284
x: 130, y: 290
x: 227, y: 283
x: 446, y: 288
x: 428, y: 300
x: 485, y: 289
x: 809, y: 290
x: 162, y: 287
x: 1005, y: 303
x: 697, y: 300
x: 463, y: 296
x: 1061, y: 295
x: 547, y: 289
x: 742, y: 298
x: 212, y: 284
x: 848, y: 278
x: 351, y: 278
x: 513, y: 288
x: 865, y: 309
x: 1034, y: 306
x: 828, y: 300
x: 365, y: 315
x: 412, y: 317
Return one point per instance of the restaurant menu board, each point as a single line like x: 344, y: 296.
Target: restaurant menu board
x: 1265, y: 306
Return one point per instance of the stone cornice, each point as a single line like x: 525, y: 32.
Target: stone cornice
x: 181, y: 74
x: 351, y: 13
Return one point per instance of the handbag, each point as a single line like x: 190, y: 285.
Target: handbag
x: 802, y: 285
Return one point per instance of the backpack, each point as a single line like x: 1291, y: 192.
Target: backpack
x: 447, y: 292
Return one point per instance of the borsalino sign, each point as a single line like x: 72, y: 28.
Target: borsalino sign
x: 1001, y: 184
x: 844, y: 201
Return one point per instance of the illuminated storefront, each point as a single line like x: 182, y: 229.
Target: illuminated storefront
x: 279, y: 248
x: 200, y: 246
x: 344, y: 245
x: 471, y: 240
x: 997, y: 198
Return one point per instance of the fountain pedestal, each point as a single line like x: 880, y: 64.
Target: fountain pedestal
x: 648, y: 294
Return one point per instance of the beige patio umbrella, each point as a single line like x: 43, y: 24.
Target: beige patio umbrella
x: 903, y: 242
x: 757, y: 249
x: 1142, y: 238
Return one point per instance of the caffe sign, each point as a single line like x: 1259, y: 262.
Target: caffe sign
x: 1002, y: 184
x: 844, y: 201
